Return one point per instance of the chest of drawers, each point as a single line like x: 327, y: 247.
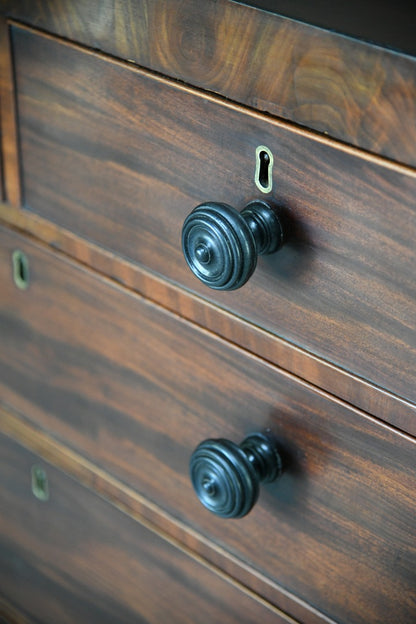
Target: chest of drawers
x: 116, y: 362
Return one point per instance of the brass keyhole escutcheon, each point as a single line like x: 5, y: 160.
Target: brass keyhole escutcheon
x: 40, y: 484
x: 263, y: 176
x: 20, y: 269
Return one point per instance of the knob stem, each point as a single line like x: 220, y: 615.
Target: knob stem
x: 262, y: 453
x: 265, y: 226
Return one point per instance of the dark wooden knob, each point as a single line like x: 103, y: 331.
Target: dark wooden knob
x: 221, y: 245
x: 226, y: 476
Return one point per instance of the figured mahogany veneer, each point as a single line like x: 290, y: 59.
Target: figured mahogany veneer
x: 121, y: 158
x: 134, y: 389
x: 388, y: 24
x: 362, y: 94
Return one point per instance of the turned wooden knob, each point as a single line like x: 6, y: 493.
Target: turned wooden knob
x: 221, y: 245
x: 226, y: 476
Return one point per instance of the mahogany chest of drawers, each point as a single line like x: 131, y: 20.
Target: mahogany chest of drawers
x: 118, y: 119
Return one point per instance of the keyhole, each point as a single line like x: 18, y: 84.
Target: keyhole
x: 40, y: 486
x: 264, y: 169
x: 20, y: 269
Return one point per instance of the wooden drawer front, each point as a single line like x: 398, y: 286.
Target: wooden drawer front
x: 121, y: 157
x: 135, y: 389
x: 76, y: 558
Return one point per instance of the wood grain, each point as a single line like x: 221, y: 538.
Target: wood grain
x: 343, y: 384
x: 10, y: 173
x: 359, y: 93
x: 9, y: 614
x: 121, y: 157
x: 135, y: 389
x: 78, y: 558
x: 383, y: 23
x: 32, y: 437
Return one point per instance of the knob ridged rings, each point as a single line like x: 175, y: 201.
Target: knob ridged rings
x: 223, y: 479
x: 219, y: 246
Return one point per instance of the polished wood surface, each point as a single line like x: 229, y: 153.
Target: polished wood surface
x: 77, y: 558
x: 116, y: 119
x: 9, y: 173
x: 102, y: 159
x: 135, y: 389
x: 9, y: 614
x: 32, y: 437
x: 378, y: 21
x: 355, y: 92
x: 343, y: 384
